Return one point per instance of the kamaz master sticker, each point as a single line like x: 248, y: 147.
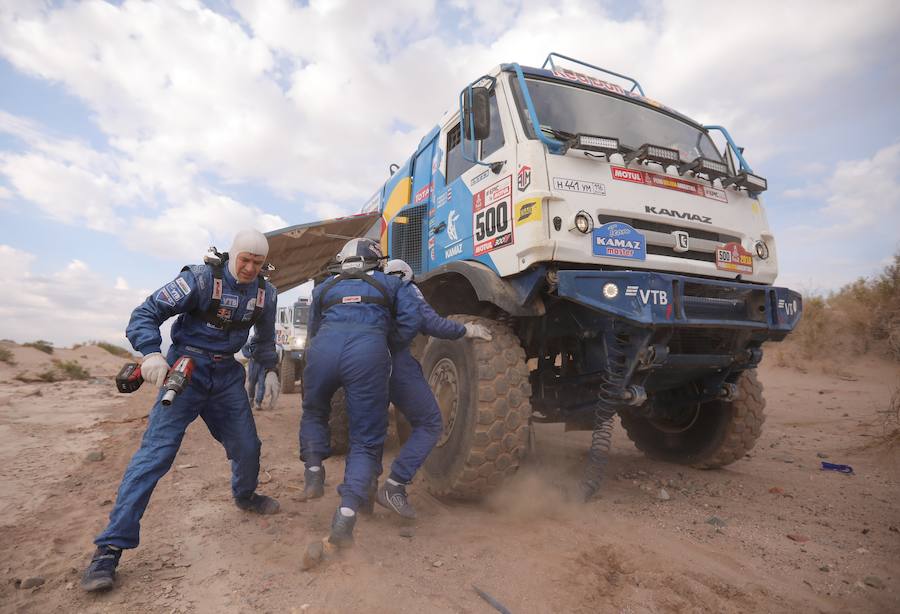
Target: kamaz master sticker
x: 619, y: 240
x: 733, y: 257
x: 491, y: 217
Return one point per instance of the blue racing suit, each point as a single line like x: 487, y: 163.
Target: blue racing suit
x: 412, y: 396
x: 215, y: 393
x: 256, y: 373
x: 351, y: 323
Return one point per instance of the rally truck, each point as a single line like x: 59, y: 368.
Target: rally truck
x: 290, y: 333
x: 618, y: 250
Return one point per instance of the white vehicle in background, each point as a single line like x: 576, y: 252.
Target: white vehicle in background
x: 290, y: 333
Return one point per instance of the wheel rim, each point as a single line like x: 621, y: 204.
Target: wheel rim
x: 683, y: 422
x: 444, y: 382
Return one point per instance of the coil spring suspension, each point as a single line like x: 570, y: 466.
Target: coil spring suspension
x: 610, y: 397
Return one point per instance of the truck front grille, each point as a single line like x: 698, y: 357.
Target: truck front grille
x: 702, y: 341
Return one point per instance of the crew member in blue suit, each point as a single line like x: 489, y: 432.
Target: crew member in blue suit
x: 216, y: 303
x: 256, y: 374
x: 412, y: 396
x: 352, y: 316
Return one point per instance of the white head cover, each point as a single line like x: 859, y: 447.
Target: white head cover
x: 250, y: 241
x: 400, y: 267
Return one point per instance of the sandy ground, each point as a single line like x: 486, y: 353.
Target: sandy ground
x: 720, y: 543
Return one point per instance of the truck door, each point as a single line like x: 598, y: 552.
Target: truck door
x: 410, y: 226
x: 473, y: 210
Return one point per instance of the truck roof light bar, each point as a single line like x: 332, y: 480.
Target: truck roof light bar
x: 748, y: 181
x: 704, y: 166
x: 549, y: 61
x: 654, y: 153
x: 603, y: 144
x: 738, y: 151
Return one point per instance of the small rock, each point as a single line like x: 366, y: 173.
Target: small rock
x: 106, y: 502
x: 716, y: 521
x: 407, y: 532
x: 825, y: 568
x: 663, y: 495
x: 862, y: 551
x: 187, y: 466
x: 775, y: 490
x: 32, y: 582
x: 797, y: 538
x: 94, y: 456
x: 437, y: 564
x: 894, y: 529
x: 874, y: 581
x: 70, y: 586
x: 866, y: 531
x: 821, y: 455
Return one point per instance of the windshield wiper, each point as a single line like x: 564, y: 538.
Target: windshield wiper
x: 558, y: 134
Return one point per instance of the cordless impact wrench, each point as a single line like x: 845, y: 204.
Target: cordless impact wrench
x: 130, y: 379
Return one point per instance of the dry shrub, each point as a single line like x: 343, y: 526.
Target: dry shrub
x: 6, y: 356
x: 44, y: 346
x: 862, y: 317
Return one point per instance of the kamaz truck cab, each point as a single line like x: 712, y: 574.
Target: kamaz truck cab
x: 621, y: 258
x: 290, y: 333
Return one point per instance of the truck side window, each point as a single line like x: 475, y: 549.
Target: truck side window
x: 456, y: 164
x: 495, y: 138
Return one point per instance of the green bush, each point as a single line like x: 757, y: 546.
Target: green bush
x: 71, y: 370
x: 6, y: 356
x: 112, y: 348
x: 44, y: 346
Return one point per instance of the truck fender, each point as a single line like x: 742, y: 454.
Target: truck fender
x: 516, y: 296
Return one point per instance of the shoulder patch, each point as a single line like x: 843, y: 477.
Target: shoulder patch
x: 183, y: 285
x: 163, y: 297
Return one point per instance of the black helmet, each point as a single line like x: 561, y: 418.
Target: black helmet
x: 362, y: 254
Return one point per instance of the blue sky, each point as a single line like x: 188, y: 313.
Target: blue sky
x: 133, y: 135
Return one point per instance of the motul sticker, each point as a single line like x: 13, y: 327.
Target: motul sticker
x: 733, y: 257
x: 351, y: 299
x: 491, y: 217
x: 668, y: 182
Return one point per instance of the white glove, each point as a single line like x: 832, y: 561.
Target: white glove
x: 273, y: 388
x: 154, y: 369
x: 477, y: 331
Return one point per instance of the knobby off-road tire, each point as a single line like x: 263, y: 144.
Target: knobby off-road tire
x: 288, y: 374
x: 483, y: 390
x: 723, y: 432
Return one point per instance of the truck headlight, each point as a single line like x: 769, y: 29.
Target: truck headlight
x: 762, y: 250
x: 583, y: 222
x: 748, y: 181
x: 299, y: 342
x: 610, y: 290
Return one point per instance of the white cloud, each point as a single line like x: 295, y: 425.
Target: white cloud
x: 69, y: 306
x: 854, y: 232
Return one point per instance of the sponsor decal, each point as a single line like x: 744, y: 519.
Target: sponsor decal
x: 224, y: 313
x: 451, y: 225
x: 733, y: 257
x: 352, y: 299
x: 251, y: 304
x: 444, y: 197
x: 453, y: 250
x: 491, y: 217
x: 217, y: 288
x: 669, y: 183
x: 648, y: 297
x: 230, y: 300
x: 173, y: 291
x: 436, y: 160
x: 619, y: 240
x: 789, y: 307
x: 164, y: 297
x: 681, y: 215
x: 524, y: 178
x: 529, y: 211
x: 183, y: 285
x: 682, y: 240
x: 479, y: 177
x: 260, y: 297
x: 578, y: 185
x: 431, y: 247
x: 423, y: 194
x: 401, y: 219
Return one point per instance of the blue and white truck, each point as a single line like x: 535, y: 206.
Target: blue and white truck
x: 618, y: 250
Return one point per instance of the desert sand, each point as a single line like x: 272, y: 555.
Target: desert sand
x: 770, y: 533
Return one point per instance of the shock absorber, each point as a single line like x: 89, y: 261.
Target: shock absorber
x: 611, y: 395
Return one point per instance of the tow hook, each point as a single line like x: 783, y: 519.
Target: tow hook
x: 634, y: 395
x: 729, y: 392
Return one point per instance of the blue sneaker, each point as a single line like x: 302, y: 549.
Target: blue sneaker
x: 101, y: 573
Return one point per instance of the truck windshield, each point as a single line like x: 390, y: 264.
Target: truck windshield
x: 566, y: 109
x: 301, y: 315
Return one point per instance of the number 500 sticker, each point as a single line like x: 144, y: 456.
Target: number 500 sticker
x: 491, y: 217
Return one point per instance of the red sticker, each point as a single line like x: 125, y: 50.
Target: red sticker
x: 492, y: 217
x: 733, y: 257
x: 669, y: 183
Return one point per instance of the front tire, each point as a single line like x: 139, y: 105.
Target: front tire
x: 288, y: 374
x: 483, y: 391
x: 718, y: 434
